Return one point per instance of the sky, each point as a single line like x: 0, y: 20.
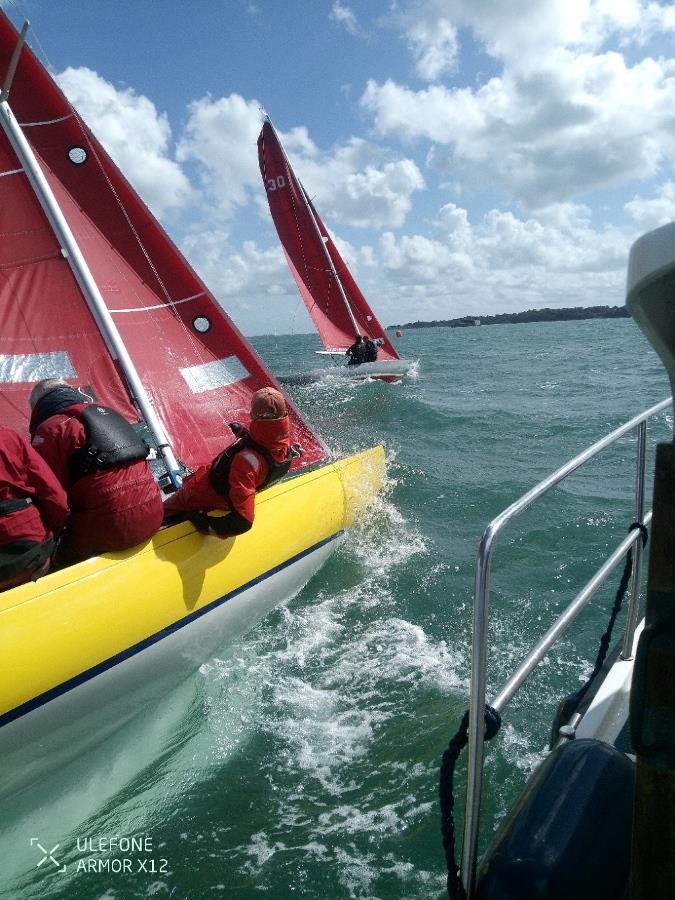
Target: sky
x: 469, y: 157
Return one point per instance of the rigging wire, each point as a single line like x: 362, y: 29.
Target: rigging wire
x: 170, y: 303
x: 21, y: 11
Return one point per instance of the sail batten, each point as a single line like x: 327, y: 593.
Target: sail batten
x: 333, y: 299
x: 159, y: 305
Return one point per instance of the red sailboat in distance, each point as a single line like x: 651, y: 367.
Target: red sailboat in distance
x: 338, y: 309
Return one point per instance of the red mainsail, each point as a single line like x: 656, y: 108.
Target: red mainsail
x: 198, y: 370
x: 333, y: 299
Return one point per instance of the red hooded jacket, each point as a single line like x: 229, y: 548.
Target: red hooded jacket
x: 248, y: 471
x: 111, y: 509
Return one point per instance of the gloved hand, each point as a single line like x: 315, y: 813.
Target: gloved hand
x: 220, y: 526
x: 201, y: 522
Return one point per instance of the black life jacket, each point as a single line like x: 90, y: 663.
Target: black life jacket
x: 356, y: 353
x: 219, y: 474
x: 111, y: 442
x: 370, y: 354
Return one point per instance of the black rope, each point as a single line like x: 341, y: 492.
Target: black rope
x: 572, y: 702
x: 618, y: 600
x: 447, y: 798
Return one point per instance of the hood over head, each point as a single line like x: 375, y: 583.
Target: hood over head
x: 44, y: 387
x: 268, y: 403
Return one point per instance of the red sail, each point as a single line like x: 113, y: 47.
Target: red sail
x: 318, y: 269
x: 197, y: 368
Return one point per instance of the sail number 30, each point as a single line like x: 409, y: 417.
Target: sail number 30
x: 274, y: 183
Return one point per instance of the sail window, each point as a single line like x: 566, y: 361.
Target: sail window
x: 201, y: 324
x: 77, y: 155
x: 17, y: 368
x: 216, y: 374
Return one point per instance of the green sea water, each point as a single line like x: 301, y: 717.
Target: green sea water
x: 303, y: 761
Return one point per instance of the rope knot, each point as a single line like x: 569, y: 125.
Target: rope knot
x: 643, y: 531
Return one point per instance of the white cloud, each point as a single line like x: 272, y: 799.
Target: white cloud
x: 659, y: 210
x: 416, y: 259
x: 357, y: 183
x: 253, y: 285
x: 500, y: 263
x: 522, y: 33
x: 377, y: 196
x: 503, y: 263
x: 567, y: 113
x: 578, y: 123
x: 344, y: 15
x: 135, y: 135
x: 434, y: 47
x: 230, y: 270
x: 221, y: 136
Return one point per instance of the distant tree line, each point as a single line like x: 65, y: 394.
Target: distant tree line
x: 530, y: 315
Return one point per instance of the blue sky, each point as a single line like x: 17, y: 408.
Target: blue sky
x: 468, y: 157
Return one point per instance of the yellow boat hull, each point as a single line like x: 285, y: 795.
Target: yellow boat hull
x: 84, y: 649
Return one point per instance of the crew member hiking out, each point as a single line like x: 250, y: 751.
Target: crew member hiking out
x: 33, y: 510
x: 356, y: 354
x: 260, y: 455
x: 370, y: 349
x: 100, y: 461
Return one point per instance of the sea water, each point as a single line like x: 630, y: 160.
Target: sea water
x: 303, y: 761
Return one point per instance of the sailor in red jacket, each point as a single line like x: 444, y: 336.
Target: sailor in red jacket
x: 33, y: 510
x: 261, y: 455
x: 100, y: 461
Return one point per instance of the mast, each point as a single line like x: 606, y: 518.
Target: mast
x: 85, y: 280
x: 320, y: 237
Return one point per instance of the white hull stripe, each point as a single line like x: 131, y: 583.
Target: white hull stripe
x: 211, y: 375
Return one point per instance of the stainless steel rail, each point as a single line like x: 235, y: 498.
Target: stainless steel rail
x: 480, y: 618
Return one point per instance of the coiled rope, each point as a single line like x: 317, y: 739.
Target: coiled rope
x: 447, y: 798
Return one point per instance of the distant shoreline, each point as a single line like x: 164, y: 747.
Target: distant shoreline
x: 530, y: 315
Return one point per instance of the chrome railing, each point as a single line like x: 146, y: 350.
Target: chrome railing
x: 480, y: 618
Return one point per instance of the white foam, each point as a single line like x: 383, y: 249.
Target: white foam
x: 323, y: 731
x: 397, y: 651
x: 382, y: 539
x: 323, y: 680
x: 357, y: 872
x: 389, y: 819
x: 518, y: 749
x: 261, y: 849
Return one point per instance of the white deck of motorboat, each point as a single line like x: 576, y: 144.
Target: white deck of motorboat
x: 606, y: 719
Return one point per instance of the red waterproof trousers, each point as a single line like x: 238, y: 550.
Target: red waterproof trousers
x: 24, y: 474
